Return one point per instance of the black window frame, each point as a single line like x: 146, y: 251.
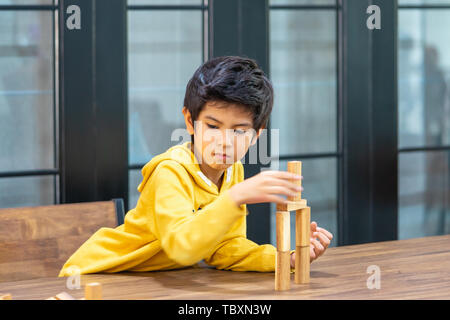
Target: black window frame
x: 93, y: 119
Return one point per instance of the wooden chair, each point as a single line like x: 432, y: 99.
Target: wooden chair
x: 35, y: 242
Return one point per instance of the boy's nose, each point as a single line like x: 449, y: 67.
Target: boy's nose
x: 225, y: 139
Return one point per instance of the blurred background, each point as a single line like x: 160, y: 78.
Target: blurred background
x: 306, y: 48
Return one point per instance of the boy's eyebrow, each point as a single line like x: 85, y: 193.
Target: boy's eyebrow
x: 248, y: 124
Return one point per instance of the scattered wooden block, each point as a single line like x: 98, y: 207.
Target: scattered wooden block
x: 93, y: 291
x: 64, y: 296
x: 6, y: 296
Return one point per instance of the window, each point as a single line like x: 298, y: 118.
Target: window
x: 424, y: 113
x: 165, y: 46
x: 28, y: 112
x: 335, y: 82
x: 303, y: 69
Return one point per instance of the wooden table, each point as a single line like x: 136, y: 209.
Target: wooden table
x: 409, y: 269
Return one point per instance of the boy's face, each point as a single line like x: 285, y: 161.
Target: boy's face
x: 223, y: 132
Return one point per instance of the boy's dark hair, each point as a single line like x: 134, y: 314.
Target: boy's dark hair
x: 231, y: 79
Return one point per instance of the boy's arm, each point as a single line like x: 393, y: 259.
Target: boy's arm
x: 186, y: 236
x: 242, y: 254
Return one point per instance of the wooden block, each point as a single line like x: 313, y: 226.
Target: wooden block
x: 302, y: 264
x: 283, y: 271
x: 295, y: 167
x: 64, y: 296
x: 283, y: 231
x: 6, y: 296
x: 292, y: 205
x: 93, y: 291
x: 302, y: 227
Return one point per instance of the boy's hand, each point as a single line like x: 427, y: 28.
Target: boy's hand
x: 317, y: 248
x: 265, y: 186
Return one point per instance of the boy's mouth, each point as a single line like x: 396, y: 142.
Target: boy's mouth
x: 221, y: 156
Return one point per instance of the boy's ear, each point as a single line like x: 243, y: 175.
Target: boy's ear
x: 188, y: 120
x: 255, y: 137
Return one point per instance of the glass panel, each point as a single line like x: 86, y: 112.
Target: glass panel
x: 26, y: 90
x: 320, y: 191
x: 165, y: 48
x: 423, y: 2
x: 135, y: 178
x: 27, y: 2
x: 424, y: 78
x: 423, y: 194
x: 164, y: 2
x: 170, y: 53
x: 300, y: 2
x: 26, y: 191
x: 303, y: 71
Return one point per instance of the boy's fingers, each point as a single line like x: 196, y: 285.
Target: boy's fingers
x: 285, y: 183
x: 291, y: 185
x: 284, y: 180
x: 276, y: 199
x: 317, y: 245
x: 328, y: 234
x: 323, y: 239
x: 280, y: 190
x: 312, y: 253
x: 284, y: 175
x: 316, y: 252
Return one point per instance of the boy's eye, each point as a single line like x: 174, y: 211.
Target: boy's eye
x: 237, y: 131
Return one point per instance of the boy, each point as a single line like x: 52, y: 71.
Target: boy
x: 193, y: 196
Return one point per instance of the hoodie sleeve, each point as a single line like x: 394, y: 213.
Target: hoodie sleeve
x: 187, y: 236
x: 242, y: 254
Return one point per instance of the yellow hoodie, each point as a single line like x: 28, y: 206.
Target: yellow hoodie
x: 181, y: 218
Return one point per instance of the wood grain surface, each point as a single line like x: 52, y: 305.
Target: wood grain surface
x: 410, y: 269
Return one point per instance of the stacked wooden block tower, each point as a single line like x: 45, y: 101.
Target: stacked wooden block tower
x: 302, y: 235
x: 92, y: 291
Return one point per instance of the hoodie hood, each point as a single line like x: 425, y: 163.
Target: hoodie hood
x: 183, y: 155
